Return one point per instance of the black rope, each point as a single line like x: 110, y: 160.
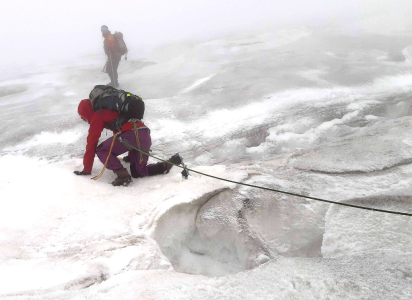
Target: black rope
x: 269, y: 189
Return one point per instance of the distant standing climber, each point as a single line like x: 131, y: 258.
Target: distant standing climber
x: 114, y: 55
x: 133, y: 131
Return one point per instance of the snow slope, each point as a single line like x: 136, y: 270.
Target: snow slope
x: 316, y: 114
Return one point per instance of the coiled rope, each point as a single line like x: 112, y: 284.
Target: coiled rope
x: 273, y: 190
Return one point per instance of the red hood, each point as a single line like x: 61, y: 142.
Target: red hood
x: 85, y: 109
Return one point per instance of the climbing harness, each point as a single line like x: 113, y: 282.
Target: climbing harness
x: 128, y: 146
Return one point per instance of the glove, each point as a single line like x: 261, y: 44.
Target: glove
x: 81, y: 173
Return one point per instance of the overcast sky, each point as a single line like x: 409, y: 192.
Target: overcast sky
x: 36, y: 30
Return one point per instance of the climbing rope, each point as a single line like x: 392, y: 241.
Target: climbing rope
x: 105, y: 164
x: 274, y: 190
x: 135, y: 128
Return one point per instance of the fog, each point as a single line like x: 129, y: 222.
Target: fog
x: 43, y: 31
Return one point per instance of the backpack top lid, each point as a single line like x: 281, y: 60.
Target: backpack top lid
x: 96, y: 92
x: 118, y: 34
x: 128, y: 105
x: 103, y: 96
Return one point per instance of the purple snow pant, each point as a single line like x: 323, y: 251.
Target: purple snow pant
x: 137, y: 169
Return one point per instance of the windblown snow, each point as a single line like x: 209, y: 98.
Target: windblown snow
x: 321, y: 115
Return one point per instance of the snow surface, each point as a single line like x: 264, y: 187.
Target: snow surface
x: 325, y: 115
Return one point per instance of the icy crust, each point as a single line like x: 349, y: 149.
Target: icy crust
x: 223, y: 233
x: 78, y: 266
x: 288, y: 225
x: 351, y: 232
x: 280, y: 123
x: 176, y: 233
x: 381, y: 146
x: 228, y: 231
x: 67, y: 237
x: 173, y: 224
x: 354, y: 278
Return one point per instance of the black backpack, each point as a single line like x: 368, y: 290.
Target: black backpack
x: 129, y: 106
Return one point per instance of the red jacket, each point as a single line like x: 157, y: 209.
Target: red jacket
x: 98, y: 121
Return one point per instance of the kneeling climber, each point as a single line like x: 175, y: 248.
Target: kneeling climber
x: 129, y: 133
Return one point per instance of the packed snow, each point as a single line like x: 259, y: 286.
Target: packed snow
x: 321, y: 114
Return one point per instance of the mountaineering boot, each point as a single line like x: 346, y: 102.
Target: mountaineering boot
x: 123, y: 177
x: 116, y: 84
x: 111, y: 83
x: 156, y: 169
x: 175, y: 159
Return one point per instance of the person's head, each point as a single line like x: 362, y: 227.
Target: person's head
x: 85, y: 110
x: 105, y: 31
